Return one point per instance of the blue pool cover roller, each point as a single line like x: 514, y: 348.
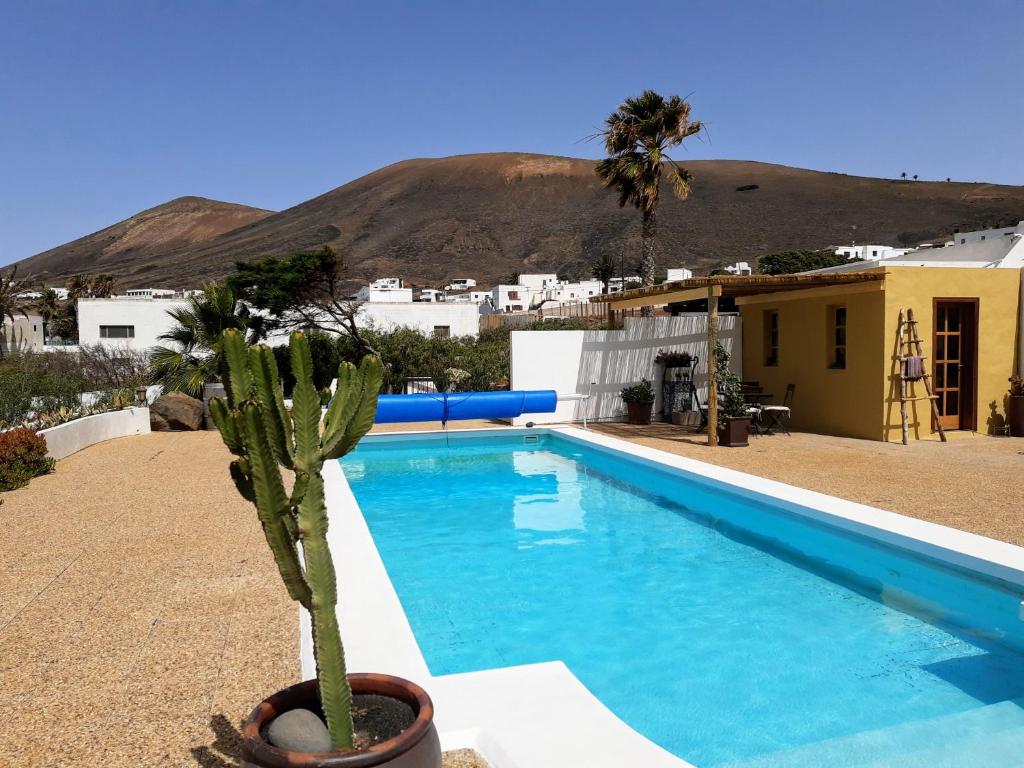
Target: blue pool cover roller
x: 457, y: 406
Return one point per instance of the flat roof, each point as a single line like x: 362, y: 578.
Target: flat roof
x: 731, y: 285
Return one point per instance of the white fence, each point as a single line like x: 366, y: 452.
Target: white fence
x: 603, y: 362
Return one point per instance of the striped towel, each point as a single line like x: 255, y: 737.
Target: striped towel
x: 913, y: 368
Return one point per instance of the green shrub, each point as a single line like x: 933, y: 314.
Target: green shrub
x: 22, y: 457
x: 638, y: 393
x: 28, y: 385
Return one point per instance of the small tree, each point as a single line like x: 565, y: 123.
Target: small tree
x: 791, y: 262
x: 265, y: 437
x: 727, y: 383
x: 198, y: 355
x: 304, y: 290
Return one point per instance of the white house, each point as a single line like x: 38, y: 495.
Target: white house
x: 569, y: 292
x: 962, y: 238
x: 381, y: 292
x: 678, y: 273
x: 471, y: 297
x: 739, y: 268
x: 870, y: 252
x: 616, y: 284
x: 538, y: 282
x: 150, y: 293
x: 511, y: 298
x: 124, y: 322
x: 24, y: 335
x: 461, y: 284
x: 432, y: 295
x: 429, y: 318
x: 1002, y: 252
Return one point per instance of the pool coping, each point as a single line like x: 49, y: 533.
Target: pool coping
x: 540, y: 715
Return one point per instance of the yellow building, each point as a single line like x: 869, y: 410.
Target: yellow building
x: 839, y: 346
x: 834, y: 337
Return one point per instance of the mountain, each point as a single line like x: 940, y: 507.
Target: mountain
x: 135, y: 245
x: 487, y: 216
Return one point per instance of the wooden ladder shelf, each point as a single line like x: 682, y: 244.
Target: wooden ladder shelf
x: 910, y: 346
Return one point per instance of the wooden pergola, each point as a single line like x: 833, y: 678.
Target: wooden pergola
x: 712, y: 288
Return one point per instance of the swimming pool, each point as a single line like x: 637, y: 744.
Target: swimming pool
x: 720, y: 623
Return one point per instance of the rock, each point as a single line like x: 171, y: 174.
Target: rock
x: 299, y: 730
x: 177, y: 411
x: 158, y: 423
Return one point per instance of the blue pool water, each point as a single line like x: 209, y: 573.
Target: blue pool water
x: 718, y: 624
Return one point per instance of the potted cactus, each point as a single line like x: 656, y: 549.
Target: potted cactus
x: 338, y: 720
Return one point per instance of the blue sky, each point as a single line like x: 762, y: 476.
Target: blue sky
x: 107, y: 108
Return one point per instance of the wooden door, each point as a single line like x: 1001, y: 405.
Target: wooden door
x: 955, y: 364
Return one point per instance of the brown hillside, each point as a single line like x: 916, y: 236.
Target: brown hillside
x: 487, y: 216
x: 136, y: 244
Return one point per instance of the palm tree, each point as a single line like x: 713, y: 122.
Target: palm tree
x: 11, y: 299
x: 636, y: 137
x: 604, y: 269
x: 198, y: 357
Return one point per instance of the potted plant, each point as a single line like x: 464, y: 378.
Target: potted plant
x: 1015, y: 407
x: 639, y: 400
x: 338, y: 720
x: 671, y: 360
x: 733, y: 420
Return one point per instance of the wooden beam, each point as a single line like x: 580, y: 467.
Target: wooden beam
x: 683, y: 294
x: 712, y: 366
x: 811, y: 292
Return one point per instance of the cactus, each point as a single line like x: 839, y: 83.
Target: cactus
x: 266, y: 438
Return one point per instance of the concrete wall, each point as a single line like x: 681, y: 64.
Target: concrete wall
x: 25, y: 335
x: 862, y: 400
x: 568, y: 361
x: 66, y: 439
x: 998, y: 292
x: 148, y: 316
x: 844, y: 402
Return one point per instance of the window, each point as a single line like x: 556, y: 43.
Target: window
x: 837, y: 337
x: 513, y: 295
x: 442, y: 331
x: 117, y: 331
x: 771, y: 337
x: 963, y: 240
x: 982, y: 237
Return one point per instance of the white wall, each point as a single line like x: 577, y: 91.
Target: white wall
x: 462, y: 318
x: 25, y: 335
x: 568, y: 361
x: 148, y: 316
x: 66, y: 439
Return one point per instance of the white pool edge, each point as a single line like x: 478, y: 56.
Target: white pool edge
x: 541, y: 715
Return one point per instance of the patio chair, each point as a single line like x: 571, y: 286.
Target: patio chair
x: 756, y: 419
x: 777, y: 416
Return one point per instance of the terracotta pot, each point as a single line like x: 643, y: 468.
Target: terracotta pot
x: 416, y: 747
x: 1015, y: 415
x: 639, y: 413
x: 733, y: 431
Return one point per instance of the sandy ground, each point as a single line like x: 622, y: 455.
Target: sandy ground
x: 973, y: 482
x: 141, y: 615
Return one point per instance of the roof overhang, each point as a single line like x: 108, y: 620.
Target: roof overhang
x: 733, y: 286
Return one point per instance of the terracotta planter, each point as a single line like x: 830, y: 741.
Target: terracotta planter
x: 1015, y: 415
x: 415, y: 747
x: 733, y: 431
x: 639, y: 413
